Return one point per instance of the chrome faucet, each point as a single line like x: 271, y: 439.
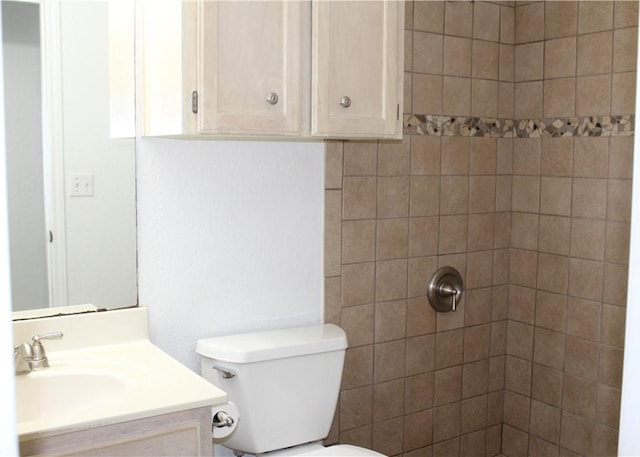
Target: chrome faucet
x: 28, y: 357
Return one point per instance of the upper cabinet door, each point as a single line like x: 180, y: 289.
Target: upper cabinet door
x: 357, y: 69
x: 250, y: 77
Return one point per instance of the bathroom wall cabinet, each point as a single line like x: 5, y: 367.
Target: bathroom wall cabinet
x: 184, y: 433
x: 329, y: 69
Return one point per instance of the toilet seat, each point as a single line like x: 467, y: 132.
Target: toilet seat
x: 317, y: 450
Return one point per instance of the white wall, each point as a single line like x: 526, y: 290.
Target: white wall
x: 21, y: 45
x: 8, y: 436
x: 229, y: 238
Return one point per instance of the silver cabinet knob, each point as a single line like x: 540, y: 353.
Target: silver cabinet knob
x: 345, y: 102
x: 271, y: 98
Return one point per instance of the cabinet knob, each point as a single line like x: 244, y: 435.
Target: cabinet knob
x: 345, y: 102
x: 271, y: 98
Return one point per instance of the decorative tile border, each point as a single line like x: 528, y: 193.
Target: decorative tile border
x: 420, y: 124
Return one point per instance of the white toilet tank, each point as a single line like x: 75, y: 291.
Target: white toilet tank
x: 285, y: 383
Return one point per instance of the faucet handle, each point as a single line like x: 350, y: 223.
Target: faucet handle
x: 47, y: 336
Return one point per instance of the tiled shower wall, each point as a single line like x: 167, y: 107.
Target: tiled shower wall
x: 530, y: 363
x: 569, y: 230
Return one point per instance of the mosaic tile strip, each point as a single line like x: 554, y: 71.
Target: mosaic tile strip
x: 420, y: 124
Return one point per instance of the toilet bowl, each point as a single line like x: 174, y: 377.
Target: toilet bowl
x: 285, y: 384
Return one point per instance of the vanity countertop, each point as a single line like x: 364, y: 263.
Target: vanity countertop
x: 96, y: 383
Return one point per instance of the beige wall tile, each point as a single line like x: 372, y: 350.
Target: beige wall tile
x: 393, y: 196
x: 555, y: 196
x: 457, y: 56
x: 559, y: 97
x: 483, y: 156
x: 595, y: 16
x: 528, y: 100
x: 484, y: 98
x: 522, y: 300
x: 547, y: 385
x: 505, y: 100
x: 449, y: 348
x: 356, y: 407
x: 520, y: 340
x: 526, y: 156
x: 615, y: 283
x: 554, y: 234
x: 421, y: 317
x: 507, y: 24
x: 507, y: 63
x: 608, y: 406
x: 557, y: 156
x: 526, y: 194
x: 474, y: 419
x: 357, y: 322
x: 610, y: 366
x: 549, y: 348
x: 333, y: 164
x: 418, y: 430
x: 529, y: 22
x: 591, y: 157
x: 420, y: 271
x: 360, y: 158
x: 481, y: 231
x: 456, y: 96
x: 390, y: 320
x: 551, y: 310
x: 517, y: 409
x: 475, y: 378
x: 455, y: 155
x: 595, y: 53
x: 541, y: 447
x: 358, y: 241
x: 524, y: 230
x: 518, y: 375
x: 408, y: 50
x: 425, y: 155
x: 424, y: 196
x: 553, y: 272
x: 419, y: 392
x: 446, y: 422
x: 576, y: 433
x: 579, y: 396
x: 514, y: 441
x: 454, y: 195
x: 427, y: 94
x: 423, y: 236
x: 394, y: 156
x: 479, y: 269
x: 589, y: 198
x: 408, y: 92
x: 623, y: 92
x: 391, y: 279
x: 625, y: 13
x: 529, y: 61
x: 625, y: 46
x: 485, y: 59
x: 332, y: 306
x: 522, y: 268
x: 561, y: 19
x: 453, y: 234
x: 448, y: 385
x: 504, y: 185
x: 617, y: 242
x: 476, y: 342
x: 427, y: 53
x: 583, y: 318
x: 420, y: 354
x: 486, y: 21
x: 587, y: 238
x: 585, y: 279
x: 560, y: 58
x: 581, y: 359
x: 613, y: 319
x: 332, y: 232
x: 358, y: 367
x: 458, y: 19
x: 478, y: 310
x: 358, y: 283
x: 593, y: 95
x: 393, y: 238
x: 482, y: 190
x: 387, y: 436
x: 389, y: 361
x: 359, y: 198
x: 428, y: 16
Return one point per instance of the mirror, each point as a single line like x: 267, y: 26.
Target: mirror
x: 69, y: 107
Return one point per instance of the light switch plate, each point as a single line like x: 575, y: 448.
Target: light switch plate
x: 81, y: 185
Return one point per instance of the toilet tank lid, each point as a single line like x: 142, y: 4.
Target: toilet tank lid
x: 273, y: 344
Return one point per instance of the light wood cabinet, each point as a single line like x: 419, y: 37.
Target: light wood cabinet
x: 231, y: 68
x: 357, y: 50
x: 185, y: 433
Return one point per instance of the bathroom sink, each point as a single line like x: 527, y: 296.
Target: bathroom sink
x: 59, y: 391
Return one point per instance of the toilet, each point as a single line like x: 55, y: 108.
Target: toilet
x: 285, y: 385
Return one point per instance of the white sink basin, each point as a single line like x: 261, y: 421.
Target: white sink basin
x: 58, y: 391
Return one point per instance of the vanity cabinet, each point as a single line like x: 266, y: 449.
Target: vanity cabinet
x: 297, y: 69
x: 184, y: 433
